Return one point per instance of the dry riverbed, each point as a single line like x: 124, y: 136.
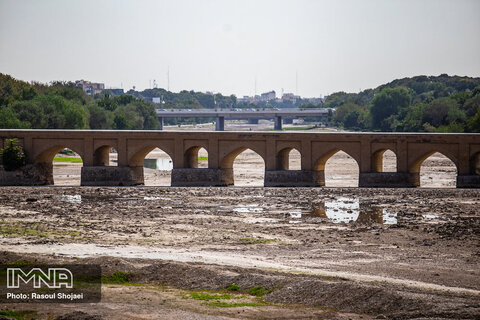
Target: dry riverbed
x: 331, y: 253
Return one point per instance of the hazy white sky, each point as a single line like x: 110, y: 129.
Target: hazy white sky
x: 224, y: 45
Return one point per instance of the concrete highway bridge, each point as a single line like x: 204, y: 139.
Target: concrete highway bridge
x: 287, y: 115
x: 411, y: 149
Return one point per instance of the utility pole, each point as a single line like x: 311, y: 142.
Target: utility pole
x: 168, y: 78
x: 296, y: 83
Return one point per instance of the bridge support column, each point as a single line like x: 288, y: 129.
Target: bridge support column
x: 220, y: 124
x: 294, y: 178
x: 278, y: 123
x: 200, y: 177
x: 160, y: 120
x: 468, y: 181
x: 34, y: 174
x: 111, y: 176
x: 388, y: 180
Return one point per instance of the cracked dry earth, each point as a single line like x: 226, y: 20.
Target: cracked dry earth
x: 327, y: 253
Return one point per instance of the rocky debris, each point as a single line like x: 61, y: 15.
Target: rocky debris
x: 78, y: 315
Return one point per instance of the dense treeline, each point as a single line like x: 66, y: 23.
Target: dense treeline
x: 418, y: 104
x: 61, y: 105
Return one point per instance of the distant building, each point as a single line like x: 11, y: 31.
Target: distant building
x: 290, y: 97
x: 267, y: 96
x: 156, y: 100
x: 90, y: 88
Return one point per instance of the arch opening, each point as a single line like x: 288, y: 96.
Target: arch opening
x: 196, y: 157
x: 66, y: 165
x: 105, y: 156
x: 385, y: 160
x: 437, y: 171
x: 289, y: 159
x: 157, y: 167
x: 248, y: 167
x: 341, y: 170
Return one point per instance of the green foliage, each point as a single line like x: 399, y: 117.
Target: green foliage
x: 429, y: 104
x: 118, y: 278
x: 259, y: 291
x: 255, y: 241
x: 233, y: 287
x: 13, y: 156
x: 474, y: 122
x: 18, y: 315
x: 386, y: 103
x: 207, y: 297
x: 67, y: 159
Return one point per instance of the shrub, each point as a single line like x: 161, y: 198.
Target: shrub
x: 13, y: 156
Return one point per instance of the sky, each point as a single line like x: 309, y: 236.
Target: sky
x: 307, y: 47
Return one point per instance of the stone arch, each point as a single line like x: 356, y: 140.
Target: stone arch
x: 417, y: 163
x: 378, y: 160
x: 440, y: 175
x: 136, y: 160
x: 319, y: 164
x: 283, y: 158
x: 64, y: 173
x: 227, y: 161
x: 47, y: 155
x: 475, y: 164
x: 190, y: 156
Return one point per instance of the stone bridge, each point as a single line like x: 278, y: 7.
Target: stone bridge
x: 411, y: 149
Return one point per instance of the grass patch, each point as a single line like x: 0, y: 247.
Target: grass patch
x: 259, y: 291
x: 233, y: 287
x: 202, y: 158
x: 222, y: 304
x: 11, y: 229
x: 254, y: 241
x: 207, y: 297
x: 21, y: 263
x: 68, y: 159
x: 123, y: 278
x: 18, y: 315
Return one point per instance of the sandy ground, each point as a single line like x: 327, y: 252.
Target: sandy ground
x: 321, y: 253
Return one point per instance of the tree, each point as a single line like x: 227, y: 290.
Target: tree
x: 13, y: 156
x: 443, y: 111
x: 474, y: 122
x: 387, y: 103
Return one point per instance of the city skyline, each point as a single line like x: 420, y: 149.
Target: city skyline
x: 239, y: 48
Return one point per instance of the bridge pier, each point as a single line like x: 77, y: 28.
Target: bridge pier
x: 111, y: 176
x: 201, y: 177
x: 220, y: 124
x: 388, y: 180
x: 278, y: 123
x: 294, y: 178
x: 468, y: 181
x: 36, y: 174
x: 160, y: 120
